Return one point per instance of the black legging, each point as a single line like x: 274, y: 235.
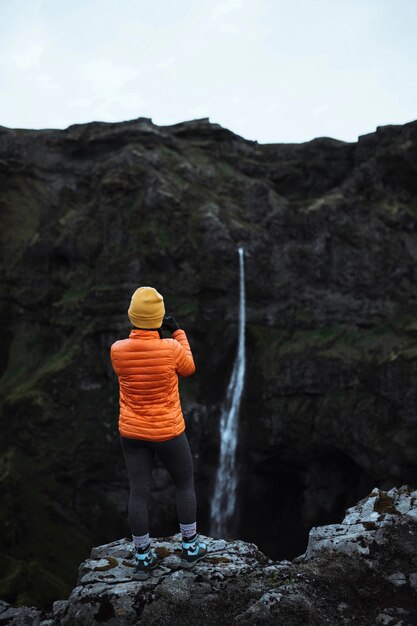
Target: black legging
x: 175, y: 454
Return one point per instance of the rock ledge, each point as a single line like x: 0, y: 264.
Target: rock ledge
x: 361, y: 571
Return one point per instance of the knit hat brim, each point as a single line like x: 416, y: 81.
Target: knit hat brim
x: 141, y: 322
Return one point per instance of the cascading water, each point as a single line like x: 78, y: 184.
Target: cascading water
x: 224, y: 500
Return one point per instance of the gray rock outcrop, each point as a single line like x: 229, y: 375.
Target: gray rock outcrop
x: 361, y: 571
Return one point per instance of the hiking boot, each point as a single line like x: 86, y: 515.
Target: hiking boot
x: 192, y: 551
x: 145, y: 562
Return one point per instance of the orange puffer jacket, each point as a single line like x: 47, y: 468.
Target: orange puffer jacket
x: 147, y: 368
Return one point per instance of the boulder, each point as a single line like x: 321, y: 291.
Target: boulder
x: 361, y: 571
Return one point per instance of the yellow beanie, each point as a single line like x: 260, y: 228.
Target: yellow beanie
x: 146, y: 308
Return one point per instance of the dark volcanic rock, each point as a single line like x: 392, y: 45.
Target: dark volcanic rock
x: 330, y: 234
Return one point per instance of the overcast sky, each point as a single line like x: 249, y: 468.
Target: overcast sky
x: 270, y: 70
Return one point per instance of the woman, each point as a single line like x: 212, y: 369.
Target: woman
x: 151, y: 421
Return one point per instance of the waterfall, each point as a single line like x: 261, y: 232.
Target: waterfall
x: 224, y: 501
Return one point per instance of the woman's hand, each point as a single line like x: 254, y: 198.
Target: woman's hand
x: 169, y: 323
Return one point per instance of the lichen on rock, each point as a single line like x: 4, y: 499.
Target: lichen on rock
x: 336, y: 581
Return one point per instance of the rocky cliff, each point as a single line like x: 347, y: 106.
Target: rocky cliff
x: 330, y: 234
x: 361, y: 571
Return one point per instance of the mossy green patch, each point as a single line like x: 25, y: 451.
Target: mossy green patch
x: 28, y: 583
x: 163, y: 552
x: 21, y: 207
x: 74, y: 295
x: 278, y: 580
x: 225, y: 170
x: 384, y: 503
x: 40, y: 564
x: 111, y: 563
x: 33, y: 357
x: 218, y: 559
x: 378, y: 344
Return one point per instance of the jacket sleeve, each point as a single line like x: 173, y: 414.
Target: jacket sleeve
x: 183, y: 357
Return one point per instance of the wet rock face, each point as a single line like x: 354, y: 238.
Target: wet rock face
x: 330, y: 234
x: 361, y: 571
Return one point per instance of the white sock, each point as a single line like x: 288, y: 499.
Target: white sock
x: 188, y: 531
x: 141, y: 541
